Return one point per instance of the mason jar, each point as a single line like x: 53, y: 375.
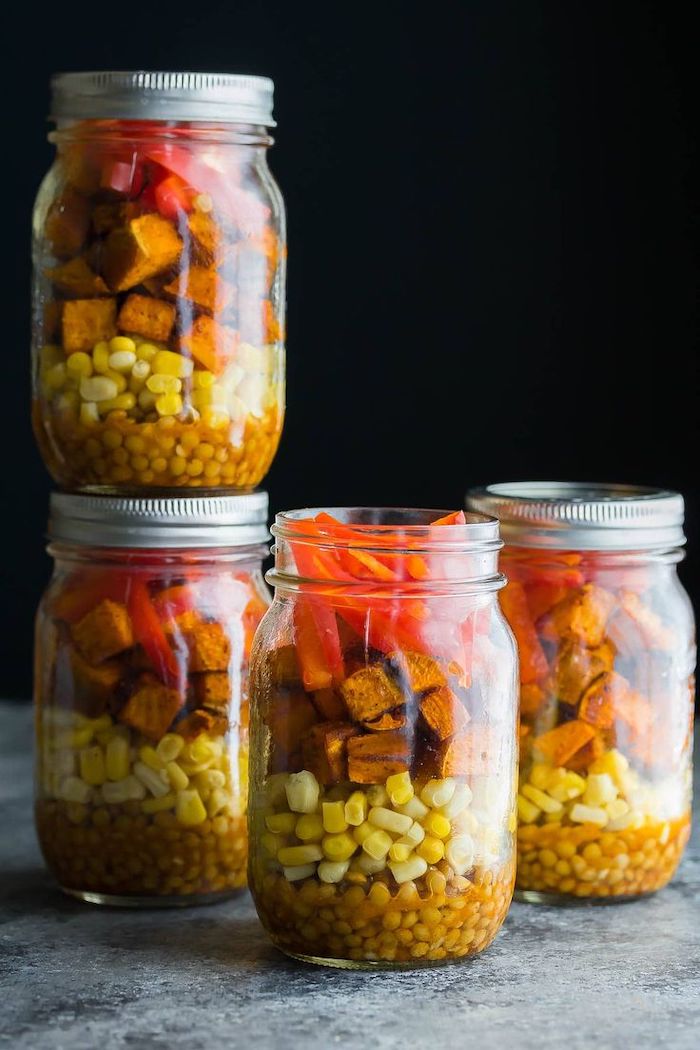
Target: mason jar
x: 607, y: 655
x: 143, y: 640
x: 383, y: 754
x: 159, y: 275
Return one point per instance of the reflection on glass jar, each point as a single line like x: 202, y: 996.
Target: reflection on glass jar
x: 142, y: 649
x: 607, y: 653
x: 159, y: 273
x: 382, y: 804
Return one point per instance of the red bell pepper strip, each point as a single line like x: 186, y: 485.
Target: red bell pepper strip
x: 148, y: 631
x: 533, y: 662
x: 317, y: 643
x: 124, y: 176
x: 174, y: 601
x: 457, y: 517
x: 172, y: 197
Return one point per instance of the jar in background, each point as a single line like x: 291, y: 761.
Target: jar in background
x: 607, y: 656
x: 141, y: 689
x: 159, y: 275
x: 383, y: 757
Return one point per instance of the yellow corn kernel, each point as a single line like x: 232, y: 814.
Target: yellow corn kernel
x: 100, y: 357
x: 55, y: 377
x: 50, y: 355
x: 356, y: 808
x: 334, y: 817
x: 438, y: 793
x: 73, y: 789
x: 528, y: 812
x: 309, y: 827
x: 146, y: 351
x: 169, y: 747
x: 281, y: 823
x: 158, y: 805
x: 295, y: 856
x: 275, y: 789
x: 540, y: 775
x: 567, y: 786
x: 300, y: 871
x: 121, y: 403
x: 411, y: 869
x: 431, y: 849
x: 617, y: 808
x: 92, y: 765
x: 581, y: 814
x: 208, y: 781
x: 362, y: 831
x: 218, y: 800
x: 88, y: 413
x: 459, y: 853
x: 369, y: 865
x: 150, y: 779
x: 118, y: 379
x: 437, y: 825
x: 377, y: 795
x: 176, y: 775
x: 388, y: 820
x: 79, y: 364
x: 613, y: 763
x: 150, y: 757
x: 122, y: 360
x: 168, y: 404
x: 400, y: 851
x: 122, y: 344
x: 272, y: 844
x: 400, y: 788
x: 189, y: 808
x: 215, y: 418
x: 201, y: 380
x: 338, y: 847
x: 159, y: 383
x: 545, y: 802
x: 377, y: 844
x: 98, y: 388
x: 600, y: 788
x: 302, y: 792
x: 166, y: 362
x: 414, y: 808
x: 117, y: 758
x: 332, y: 871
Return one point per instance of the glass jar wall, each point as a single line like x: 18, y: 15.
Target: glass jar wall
x: 159, y: 261
x: 607, y: 653
x: 382, y: 802
x: 142, y: 648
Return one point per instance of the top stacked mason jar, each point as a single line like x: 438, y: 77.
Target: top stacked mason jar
x: 159, y: 274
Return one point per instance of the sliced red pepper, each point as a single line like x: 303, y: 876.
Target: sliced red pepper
x: 123, y: 175
x: 172, y: 197
x: 174, y: 601
x: 533, y: 662
x: 457, y: 517
x: 252, y: 615
x: 317, y: 643
x: 148, y: 631
x: 541, y: 597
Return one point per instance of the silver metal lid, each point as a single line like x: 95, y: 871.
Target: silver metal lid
x: 177, y: 522
x: 571, y: 515
x: 228, y: 97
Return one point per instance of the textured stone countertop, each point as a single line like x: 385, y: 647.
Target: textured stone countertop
x: 77, y: 977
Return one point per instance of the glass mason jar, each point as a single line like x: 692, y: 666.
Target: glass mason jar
x: 607, y: 656
x: 159, y: 275
x: 383, y: 729
x: 141, y: 688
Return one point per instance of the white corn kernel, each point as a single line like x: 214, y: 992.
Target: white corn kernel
x: 545, y: 802
x: 302, y: 792
x: 388, y: 820
x: 377, y: 795
x: 409, y: 869
x: 73, y: 789
x: 151, y: 780
x: 98, y: 388
x: 438, y: 793
x: 122, y: 360
x: 369, y: 865
x: 415, y: 809
x: 460, y: 800
x: 600, y: 788
x: 300, y: 871
x: 332, y: 871
x: 459, y: 853
x: 581, y: 814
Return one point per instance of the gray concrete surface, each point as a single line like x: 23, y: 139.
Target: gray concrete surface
x: 76, y: 977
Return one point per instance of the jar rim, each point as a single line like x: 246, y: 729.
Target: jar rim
x: 586, y: 516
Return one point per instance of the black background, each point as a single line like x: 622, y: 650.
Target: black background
x: 491, y: 247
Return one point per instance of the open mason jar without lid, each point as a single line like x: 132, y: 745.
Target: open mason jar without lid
x: 143, y: 641
x: 607, y: 655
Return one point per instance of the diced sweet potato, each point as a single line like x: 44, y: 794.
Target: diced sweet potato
x: 93, y: 688
x: 67, y: 224
x: 395, y: 719
x: 466, y: 754
x: 330, y: 705
x: 145, y: 247
x: 281, y: 666
x: 77, y: 279
x: 576, y: 666
x: 443, y: 713
x: 370, y: 692
x: 80, y: 168
x: 85, y: 322
x: 654, y: 633
x: 209, y: 647
x: 374, y: 757
x: 559, y: 744
x: 108, y: 217
x: 213, y: 723
x: 532, y: 697
x: 151, y: 318
x: 203, y: 286
x: 51, y: 316
x: 419, y: 672
x: 103, y: 632
x: 601, y: 701
x: 151, y: 708
x: 212, y: 689
x: 584, y: 615
x: 290, y: 715
x: 533, y: 662
x: 324, y: 751
x: 211, y: 344
x: 206, y: 234
x: 587, y: 754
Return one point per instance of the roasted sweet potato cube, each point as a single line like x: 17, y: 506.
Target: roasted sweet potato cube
x: 75, y: 278
x: 370, y: 692
x: 151, y: 318
x: 560, y: 744
x: 281, y: 666
x: 211, y: 344
x: 654, y: 634
x: 466, y: 754
x: 532, y: 698
x: 91, y: 689
x: 206, y: 234
x: 419, y: 672
x: 289, y: 716
x: 601, y: 702
x: 212, y: 689
x: 151, y: 708
x: 576, y: 666
x: 581, y: 760
x: 67, y: 224
x: 108, y: 217
x: 146, y: 246
x: 443, y: 713
x: 330, y: 705
x: 324, y: 751
x: 85, y: 322
x: 80, y: 168
x: 395, y: 719
x: 202, y: 286
x: 197, y: 722
x: 209, y: 647
x: 375, y: 756
x: 103, y: 632
x: 584, y: 615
